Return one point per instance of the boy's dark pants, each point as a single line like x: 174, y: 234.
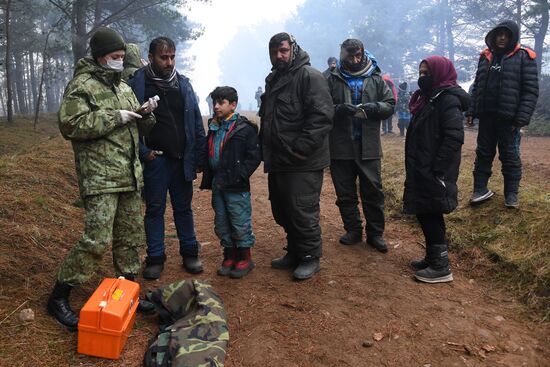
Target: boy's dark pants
x: 295, y: 206
x: 495, y: 131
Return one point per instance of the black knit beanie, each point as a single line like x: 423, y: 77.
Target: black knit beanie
x: 106, y: 40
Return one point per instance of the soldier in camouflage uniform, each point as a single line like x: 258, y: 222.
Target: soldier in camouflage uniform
x: 132, y: 61
x: 97, y: 116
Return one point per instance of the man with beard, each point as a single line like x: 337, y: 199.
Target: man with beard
x: 296, y: 118
x: 504, y: 96
x: 173, y: 152
x: 331, y: 62
x: 361, y: 100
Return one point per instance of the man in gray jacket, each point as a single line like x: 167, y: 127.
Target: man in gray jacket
x: 361, y: 99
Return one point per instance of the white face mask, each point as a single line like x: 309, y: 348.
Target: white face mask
x: 116, y: 65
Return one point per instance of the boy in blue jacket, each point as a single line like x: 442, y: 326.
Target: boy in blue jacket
x: 233, y: 156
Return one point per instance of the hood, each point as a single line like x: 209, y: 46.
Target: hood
x: 462, y: 96
x: 301, y: 59
x: 87, y: 65
x: 509, y: 25
x: 133, y: 56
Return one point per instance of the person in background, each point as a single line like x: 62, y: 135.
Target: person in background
x: 361, y: 99
x: 331, y: 62
x: 233, y: 156
x: 208, y: 100
x: 504, y: 97
x: 296, y: 118
x: 432, y: 161
x: 258, y: 97
x: 97, y: 115
x: 132, y: 61
x: 387, y: 124
x: 172, y: 154
x: 402, y: 108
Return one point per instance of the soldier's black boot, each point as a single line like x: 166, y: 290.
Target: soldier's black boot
x: 419, y: 264
x: 145, y: 307
x: 351, y: 238
x: 438, y: 270
x: 378, y: 243
x: 59, y: 307
x: 307, y: 268
x: 154, y: 265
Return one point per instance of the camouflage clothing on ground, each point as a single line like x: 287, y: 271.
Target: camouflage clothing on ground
x: 193, y: 326
x: 115, y: 217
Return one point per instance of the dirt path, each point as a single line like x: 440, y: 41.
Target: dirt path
x: 275, y: 321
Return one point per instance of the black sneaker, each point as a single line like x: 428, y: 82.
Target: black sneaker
x: 479, y: 197
x: 511, y: 200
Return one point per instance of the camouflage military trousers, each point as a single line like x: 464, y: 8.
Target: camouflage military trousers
x: 115, y: 217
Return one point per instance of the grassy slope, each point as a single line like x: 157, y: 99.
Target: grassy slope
x: 516, y: 242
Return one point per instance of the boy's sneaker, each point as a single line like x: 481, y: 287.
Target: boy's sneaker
x: 229, y: 261
x: 479, y: 197
x: 511, y: 200
x: 243, y: 265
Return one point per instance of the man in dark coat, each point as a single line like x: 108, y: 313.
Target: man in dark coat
x: 504, y: 96
x: 361, y: 99
x: 432, y: 160
x: 296, y: 118
x: 172, y: 153
x: 331, y: 62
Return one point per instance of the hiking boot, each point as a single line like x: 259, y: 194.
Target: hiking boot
x: 59, y: 307
x: 145, y: 307
x: 419, y: 264
x: 351, y: 238
x: 192, y: 264
x: 285, y: 262
x: 438, y: 270
x: 479, y: 196
x: 154, y: 265
x: 307, y: 268
x: 229, y: 261
x: 244, y: 263
x: 511, y: 200
x: 378, y: 243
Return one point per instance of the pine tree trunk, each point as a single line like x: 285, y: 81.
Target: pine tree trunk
x: 33, y: 81
x: 542, y: 31
x: 20, y: 82
x: 80, y: 35
x: 8, y: 62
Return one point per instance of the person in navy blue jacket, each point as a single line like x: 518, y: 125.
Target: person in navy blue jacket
x: 233, y: 156
x: 173, y: 152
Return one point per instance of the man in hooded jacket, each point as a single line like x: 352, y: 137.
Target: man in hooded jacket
x: 296, y: 118
x: 504, y: 96
x: 361, y: 100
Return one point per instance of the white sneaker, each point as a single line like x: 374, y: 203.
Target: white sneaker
x: 479, y: 197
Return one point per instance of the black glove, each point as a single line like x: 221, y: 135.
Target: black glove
x: 345, y: 109
x: 370, y: 108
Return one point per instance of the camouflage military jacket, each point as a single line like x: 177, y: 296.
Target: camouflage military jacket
x: 193, y: 327
x: 105, y: 149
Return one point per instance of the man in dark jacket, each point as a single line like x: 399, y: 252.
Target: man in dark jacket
x: 361, y: 99
x: 172, y: 153
x: 331, y: 62
x: 504, y: 96
x: 296, y: 118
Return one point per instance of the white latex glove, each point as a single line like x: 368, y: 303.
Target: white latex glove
x: 128, y: 116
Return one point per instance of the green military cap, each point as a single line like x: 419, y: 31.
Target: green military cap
x: 106, y: 40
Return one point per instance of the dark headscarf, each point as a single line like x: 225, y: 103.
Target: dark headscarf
x: 443, y: 76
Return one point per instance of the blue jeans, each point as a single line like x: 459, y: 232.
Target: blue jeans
x: 163, y: 175
x: 233, y: 218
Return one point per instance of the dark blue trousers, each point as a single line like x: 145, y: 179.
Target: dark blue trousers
x: 165, y: 175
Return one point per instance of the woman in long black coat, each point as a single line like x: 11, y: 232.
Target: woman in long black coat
x: 432, y: 160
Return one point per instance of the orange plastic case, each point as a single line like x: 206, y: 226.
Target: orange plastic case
x: 106, y: 320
